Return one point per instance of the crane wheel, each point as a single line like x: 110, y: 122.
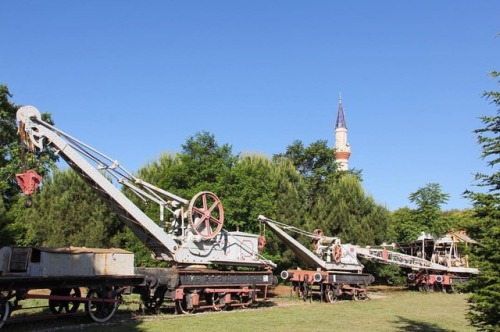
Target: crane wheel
x: 206, y: 214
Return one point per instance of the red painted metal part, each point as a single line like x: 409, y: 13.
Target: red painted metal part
x: 262, y: 242
x: 303, y: 275
x: 70, y: 298
x: 231, y: 290
x: 179, y: 293
x: 29, y: 181
x: 431, y: 279
x: 196, y: 299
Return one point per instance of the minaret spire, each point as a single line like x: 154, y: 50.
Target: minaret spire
x: 340, y: 115
x: 342, y: 148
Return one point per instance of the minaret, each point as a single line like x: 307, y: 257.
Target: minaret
x: 342, y: 148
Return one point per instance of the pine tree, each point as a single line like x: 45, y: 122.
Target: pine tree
x: 15, y: 159
x: 485, y: 300
x: 67, y: 212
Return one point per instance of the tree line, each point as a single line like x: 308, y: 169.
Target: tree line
x: 301, y: 187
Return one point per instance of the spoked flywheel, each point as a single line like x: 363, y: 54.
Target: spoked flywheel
x: 206, y: 214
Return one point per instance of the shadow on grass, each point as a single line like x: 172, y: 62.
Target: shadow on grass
x: 71, y: 322
x: 123, y: 320
x: 404, y: 324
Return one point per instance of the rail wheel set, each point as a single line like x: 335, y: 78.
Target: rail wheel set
x: 64, y: 295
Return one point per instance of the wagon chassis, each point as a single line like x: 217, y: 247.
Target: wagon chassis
x: 330, y: 286
x: 103, y: 297
x: 200, y: 289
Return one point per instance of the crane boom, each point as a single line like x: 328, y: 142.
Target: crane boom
x: 304, y: 254
x: 396, y: 258
x: 329, y: 255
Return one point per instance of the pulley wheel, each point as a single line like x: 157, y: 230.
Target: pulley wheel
x: 206, y: 214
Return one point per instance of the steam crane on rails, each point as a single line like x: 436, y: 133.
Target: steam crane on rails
x: 433, y: 264
x: 335, y: 271
x: 195, y: 241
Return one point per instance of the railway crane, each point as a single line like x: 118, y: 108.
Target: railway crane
x: 433, y: 264
x: 334, y: 269
x: 208, y: 266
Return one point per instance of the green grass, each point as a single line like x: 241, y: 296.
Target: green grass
x: 391, y: 311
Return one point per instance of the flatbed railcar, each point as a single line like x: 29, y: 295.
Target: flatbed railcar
x: 106, y: 274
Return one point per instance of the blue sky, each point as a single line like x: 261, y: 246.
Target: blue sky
x: 137, y: 78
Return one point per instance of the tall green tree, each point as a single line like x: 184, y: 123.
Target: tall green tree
x: 5, y: 237
x: 429, y: 200
x: 67, y: 212
x: 485, y: 300
x: 248, y: 190
x: 290, y: 207
x: 10, y: 161
x: 14, y: 159
x: 346, y: 211
x: 290, y: 201
x: 315, y: 163
x: 407, y: 224
x: 335, y: 201
x: 202, y: 163
x: 404, y: 226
